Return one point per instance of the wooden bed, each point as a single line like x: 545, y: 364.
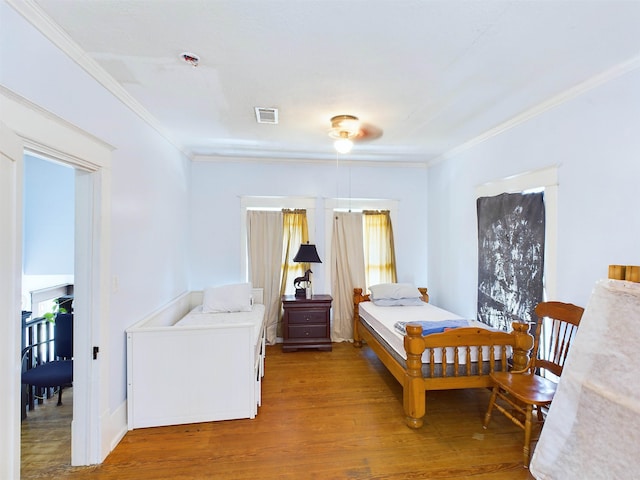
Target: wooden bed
x: 417, y: 377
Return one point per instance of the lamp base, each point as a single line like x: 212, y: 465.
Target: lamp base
x: 301, y: 292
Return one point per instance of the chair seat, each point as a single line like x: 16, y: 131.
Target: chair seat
x: 528, y: 388
x: 50, y: 374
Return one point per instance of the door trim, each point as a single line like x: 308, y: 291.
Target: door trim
x: 44, y: 133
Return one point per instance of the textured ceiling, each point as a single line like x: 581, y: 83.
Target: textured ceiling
x: 434, y: 76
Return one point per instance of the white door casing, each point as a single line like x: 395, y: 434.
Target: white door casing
x: 10, y: 268
x: 37, y: 130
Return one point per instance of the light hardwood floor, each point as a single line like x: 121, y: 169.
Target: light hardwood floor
x: 324, y: 415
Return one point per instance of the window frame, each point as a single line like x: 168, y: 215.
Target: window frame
x: 546, y: 179
x: 272, y: 203
x: 332, y: 205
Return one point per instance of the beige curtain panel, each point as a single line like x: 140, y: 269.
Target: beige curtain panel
x: 264, y: 237
x: 347, y: 271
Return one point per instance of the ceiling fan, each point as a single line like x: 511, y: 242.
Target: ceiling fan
x: 346, y: 129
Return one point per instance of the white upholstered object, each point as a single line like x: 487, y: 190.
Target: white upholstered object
x: 227, y: 298
x: 593, y: 427
x: 207, y: 367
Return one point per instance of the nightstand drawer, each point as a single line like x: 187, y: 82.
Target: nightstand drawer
x: 307, y: 331
x: 308, y: 316
x: 306, y: 323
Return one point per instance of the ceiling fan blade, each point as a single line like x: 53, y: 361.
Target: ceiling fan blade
x: 368, y: 132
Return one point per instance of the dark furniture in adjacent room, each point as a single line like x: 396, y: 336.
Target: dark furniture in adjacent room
x: 44, y: 373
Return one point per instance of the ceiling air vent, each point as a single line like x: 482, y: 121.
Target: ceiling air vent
x: 266, y: 115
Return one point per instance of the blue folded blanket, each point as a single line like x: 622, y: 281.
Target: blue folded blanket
x: 432, y: 327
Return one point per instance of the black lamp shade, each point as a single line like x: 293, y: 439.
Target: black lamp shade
x: 307, y: 254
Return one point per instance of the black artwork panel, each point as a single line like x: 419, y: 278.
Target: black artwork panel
x: 510, y: 258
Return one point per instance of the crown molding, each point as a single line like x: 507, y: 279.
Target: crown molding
x: 563, y: 97
x: 45, y: 25
x: 343, y: 160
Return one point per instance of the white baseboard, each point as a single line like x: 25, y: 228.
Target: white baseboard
x: 114, y: 428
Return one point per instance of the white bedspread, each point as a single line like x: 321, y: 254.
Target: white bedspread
x: 593, y: 427
x: 382, y: 320
x: 197, y: 317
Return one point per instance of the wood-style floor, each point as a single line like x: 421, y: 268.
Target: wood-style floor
x: 324, y: 415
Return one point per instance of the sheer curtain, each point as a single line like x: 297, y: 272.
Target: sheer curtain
x: 296, y: 232
x: 347, y: 271
x: 379, y: 251
x: 265, y: 239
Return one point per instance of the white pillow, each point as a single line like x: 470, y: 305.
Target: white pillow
x: 394, y: 291
x: 227, y: 298
x: 398, y: 302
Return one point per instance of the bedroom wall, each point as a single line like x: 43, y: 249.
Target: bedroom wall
x: 149, y: 182
x: 215, y: 211
x: 594, y: 141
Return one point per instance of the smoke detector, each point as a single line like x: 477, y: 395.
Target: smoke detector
x: 191, y: 58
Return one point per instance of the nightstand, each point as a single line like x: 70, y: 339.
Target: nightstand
x: 306, y: 322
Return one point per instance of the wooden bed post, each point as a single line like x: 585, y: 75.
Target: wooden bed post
x: 357, y: 299
x: 414, y: 395
x: 522, y: 345
x: 425, y: 295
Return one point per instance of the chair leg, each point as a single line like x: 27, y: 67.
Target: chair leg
x: 59, y: 396
x: 526, y: 451
x: 492, y: 401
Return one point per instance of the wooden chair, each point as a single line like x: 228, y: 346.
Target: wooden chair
x: 525, y: 389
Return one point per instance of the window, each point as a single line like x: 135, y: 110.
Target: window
x: 271, y: 265
x: 546, y: 182
x: 511, y: 230
x: 372, y: 271
x: 273, y: 204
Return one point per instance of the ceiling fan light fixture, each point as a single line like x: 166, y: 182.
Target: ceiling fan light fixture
x: 343, y: 145
x: 344, y: 128
x: 344, y: 125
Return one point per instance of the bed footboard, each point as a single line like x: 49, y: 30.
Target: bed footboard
x: 456, y: 348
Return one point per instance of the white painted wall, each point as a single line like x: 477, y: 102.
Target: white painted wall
x: 149, y: 200
x: 594, y: 140
x: 215, y: 211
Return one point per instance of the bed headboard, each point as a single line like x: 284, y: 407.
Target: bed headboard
x: 630, y: 273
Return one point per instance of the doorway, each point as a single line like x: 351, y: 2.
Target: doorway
x: 45, y: 134
x: 47, y: 275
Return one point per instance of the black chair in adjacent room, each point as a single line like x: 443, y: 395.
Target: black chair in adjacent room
x: 58, y: 372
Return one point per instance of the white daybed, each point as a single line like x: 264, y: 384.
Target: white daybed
x: 185, y: 366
